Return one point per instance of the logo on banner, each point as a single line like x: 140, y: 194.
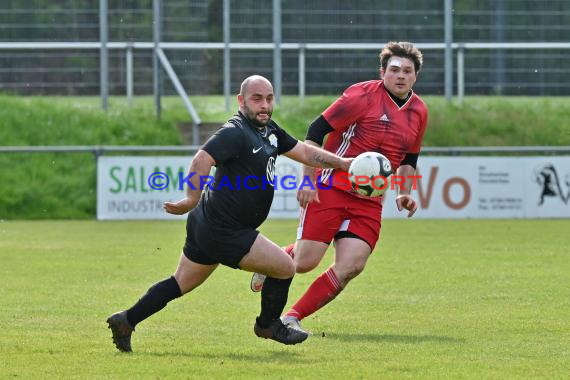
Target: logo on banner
x: 551, y: 184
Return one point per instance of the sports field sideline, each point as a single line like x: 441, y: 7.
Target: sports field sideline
x: 438, y: 299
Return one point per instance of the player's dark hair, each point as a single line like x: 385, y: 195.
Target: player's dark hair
x: 403, y: 50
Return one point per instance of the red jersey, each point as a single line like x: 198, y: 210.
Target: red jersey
x: 366, y: 119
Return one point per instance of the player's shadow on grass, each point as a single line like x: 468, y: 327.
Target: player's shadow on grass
x: 392, y: 338
x: 271, y: 356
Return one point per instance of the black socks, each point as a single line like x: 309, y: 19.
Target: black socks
x: 154, y: 300
x: 273, y: 300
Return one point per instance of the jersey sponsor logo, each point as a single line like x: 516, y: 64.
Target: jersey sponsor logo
x: 256, y: 150
x: 384, y: 118
x: 270, y: 170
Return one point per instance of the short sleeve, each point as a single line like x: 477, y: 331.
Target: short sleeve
x: 285, y: 142
x: 347, y: 109
x: 225, y: 144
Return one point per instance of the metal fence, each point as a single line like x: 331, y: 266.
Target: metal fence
x: 488, y: 70
x: 101, y: 150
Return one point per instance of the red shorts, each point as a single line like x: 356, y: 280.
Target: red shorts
x: 340, y: 211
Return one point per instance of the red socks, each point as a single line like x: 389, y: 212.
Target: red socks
x: 323, y: 290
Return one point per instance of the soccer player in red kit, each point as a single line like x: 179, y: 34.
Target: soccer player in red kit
x: 384, y: 116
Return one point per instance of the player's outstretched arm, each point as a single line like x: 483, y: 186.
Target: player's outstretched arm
x: 200, y: 167
x: 404, y: 200
x: 317, y: 157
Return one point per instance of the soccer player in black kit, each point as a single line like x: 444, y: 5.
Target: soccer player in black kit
x: 221, y: 225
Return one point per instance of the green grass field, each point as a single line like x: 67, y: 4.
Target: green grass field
x: 439, y: 299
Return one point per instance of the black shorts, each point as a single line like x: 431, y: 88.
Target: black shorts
x: 209, y: 244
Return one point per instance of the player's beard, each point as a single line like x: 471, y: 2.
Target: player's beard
x: 252, y: 116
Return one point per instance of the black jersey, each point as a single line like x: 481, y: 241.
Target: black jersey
x: 242, y: 191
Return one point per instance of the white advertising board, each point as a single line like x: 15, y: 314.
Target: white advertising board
x: 471, y: 187
x: 449, y: 187
x: 124, y: 192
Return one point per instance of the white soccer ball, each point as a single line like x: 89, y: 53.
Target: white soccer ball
x: 370, y: 174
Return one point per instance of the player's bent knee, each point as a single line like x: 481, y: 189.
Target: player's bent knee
x: 185, y: 283
x: 284, y: 272
x: 308, y: 255
x: 353, y: 272
x: 347, y: 273
x: 306, y: 266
